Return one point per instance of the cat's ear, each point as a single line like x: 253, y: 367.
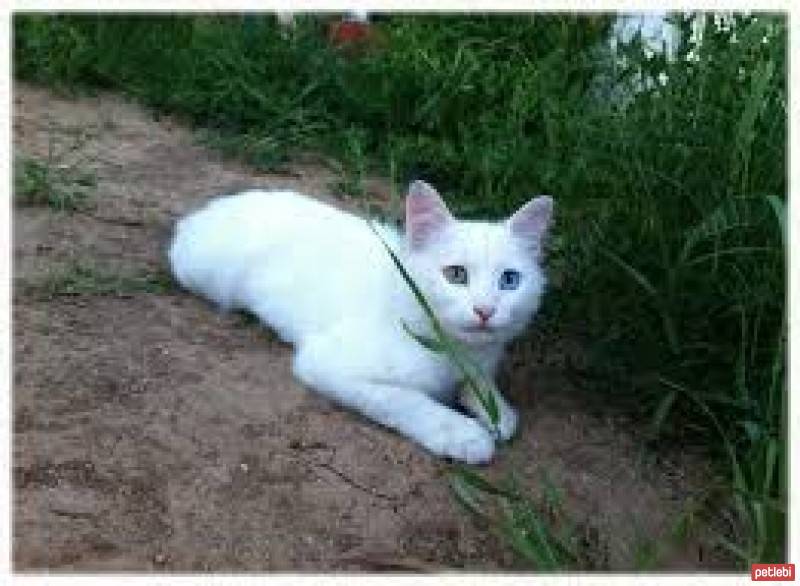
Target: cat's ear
x: 532, y: 221
x: 426, y: 214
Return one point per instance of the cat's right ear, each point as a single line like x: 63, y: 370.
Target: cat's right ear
x: 532, y: 221
x: 426, y: 214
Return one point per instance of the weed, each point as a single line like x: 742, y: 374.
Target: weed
x: 353, y: 169
x: 60, y: 180
x: 59, y: 187
x: 542, y: 533
x: 87, y: 279
x: 649, y: 551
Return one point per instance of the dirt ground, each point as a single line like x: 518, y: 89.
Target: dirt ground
x: 152, y: 433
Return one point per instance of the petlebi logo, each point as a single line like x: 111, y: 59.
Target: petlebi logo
x: 772, y: 572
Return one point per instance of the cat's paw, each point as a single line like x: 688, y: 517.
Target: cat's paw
x: 507, y: 426
x: 468, y: 442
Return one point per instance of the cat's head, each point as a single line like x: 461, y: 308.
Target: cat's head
x: 483, y: 279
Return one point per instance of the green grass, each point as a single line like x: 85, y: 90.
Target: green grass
x: 62, y: 179
x: 668, y: 256
x: 353, y: 168
x: 81, y: 278
x: 59, y: 187
x: 539, y: 530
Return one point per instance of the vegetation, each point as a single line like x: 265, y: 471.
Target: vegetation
x: 59, y: 187
x: 58, y: 180
x: 540, y: 532
x: 82, y: 278
x: 669, y: 177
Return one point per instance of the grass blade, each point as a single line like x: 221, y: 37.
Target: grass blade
x: 466, y: 494
x: 663, y: 409
x: 423, y: 302
x: 640, y: 279
x: 432, y: 344
x: 779, y: 207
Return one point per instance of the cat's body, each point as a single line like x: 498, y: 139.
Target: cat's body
x: 323, y: 280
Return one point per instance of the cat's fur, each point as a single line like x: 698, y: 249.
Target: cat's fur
x: 323, y: 280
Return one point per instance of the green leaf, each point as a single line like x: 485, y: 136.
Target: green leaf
x: 478, y: 482
x: 485, y: 395
x: 432, y: 344
x: 752, y: 429
x: 533, y: 538
x: 779, y: 207
x: 640, y: 279
x: 771, y: 461
x: 466, y: 494
x: 423, y: 302
x: 663, y: 409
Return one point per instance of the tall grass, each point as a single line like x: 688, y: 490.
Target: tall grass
x: 686, y: 262
x: 668, y: 256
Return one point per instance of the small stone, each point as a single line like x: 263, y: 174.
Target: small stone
x: 160, y: 558
x: 244, y: 467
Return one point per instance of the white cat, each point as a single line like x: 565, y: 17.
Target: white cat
x: 324, y: 281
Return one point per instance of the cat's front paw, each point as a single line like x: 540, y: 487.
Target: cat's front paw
x: 468, y: 442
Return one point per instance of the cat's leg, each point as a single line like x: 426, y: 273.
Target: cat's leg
x: 507, y: 425
x: 411, y: 412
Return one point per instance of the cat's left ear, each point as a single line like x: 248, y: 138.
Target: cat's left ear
x: 532, y: 221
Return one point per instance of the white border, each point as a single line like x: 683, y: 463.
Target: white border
x: 418, y: 5
x: 5, y: 295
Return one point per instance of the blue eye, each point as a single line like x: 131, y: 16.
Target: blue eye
x: 509, y: 280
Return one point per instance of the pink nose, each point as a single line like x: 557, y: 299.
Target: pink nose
x: 484, y: 312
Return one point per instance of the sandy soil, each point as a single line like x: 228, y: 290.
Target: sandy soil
x: 152, y: 433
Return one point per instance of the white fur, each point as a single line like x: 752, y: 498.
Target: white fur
x: 322, y: 279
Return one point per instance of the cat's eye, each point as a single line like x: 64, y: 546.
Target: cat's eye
x: 455, y: 274
x: 509, y: 279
